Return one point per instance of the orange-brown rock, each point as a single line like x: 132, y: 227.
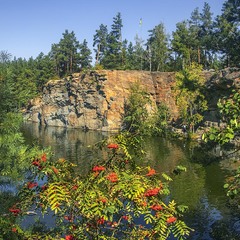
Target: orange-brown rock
x: 96, y: 100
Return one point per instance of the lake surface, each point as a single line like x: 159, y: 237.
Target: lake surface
x: 200, y: 188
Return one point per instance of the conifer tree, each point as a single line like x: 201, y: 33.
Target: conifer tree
x: 206, y: 36
x: 158, y: 48
x: 181, y: 44
x: 66, y: 54
x: 85, y: 55
x: 113, y: 57
x: 100, y: 42
x: 227, y: 33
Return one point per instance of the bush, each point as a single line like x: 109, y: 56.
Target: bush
x: 115, y: 199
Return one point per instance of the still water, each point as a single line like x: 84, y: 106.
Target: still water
x: 200, y: 188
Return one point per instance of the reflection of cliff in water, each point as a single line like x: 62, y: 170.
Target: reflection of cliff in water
x: 71, y: 144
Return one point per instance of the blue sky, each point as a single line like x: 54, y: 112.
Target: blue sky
x: 29, y: 27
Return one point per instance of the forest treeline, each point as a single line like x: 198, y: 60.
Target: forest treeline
x: 213, y: 43
x: 106, y: 201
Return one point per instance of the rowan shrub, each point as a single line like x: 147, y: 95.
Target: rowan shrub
x: 115, y: 199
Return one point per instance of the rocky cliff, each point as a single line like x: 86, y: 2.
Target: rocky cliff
x: 95, y: 100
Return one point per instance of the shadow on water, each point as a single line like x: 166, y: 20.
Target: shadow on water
x: 200, y: 187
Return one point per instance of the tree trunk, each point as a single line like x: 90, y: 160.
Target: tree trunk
x: 199, y: 55
x: 98, y: 52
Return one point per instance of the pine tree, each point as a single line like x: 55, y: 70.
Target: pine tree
x: 206, y: 36
x: 65, y: 54
x: 43, y: 69
x: 194, y: 28
x: 113, y: 57
x: 85, y: 55
x: 227, y: 33
x: 158, y: 48
x: 181, y: 44
x: 100, y: 41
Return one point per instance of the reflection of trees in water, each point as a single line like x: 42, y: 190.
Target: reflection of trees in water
x: 163, y: 155
x: 200, y: 187
x: 188, y: 187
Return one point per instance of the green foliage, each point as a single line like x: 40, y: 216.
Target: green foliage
x: 25, y: 87
x: 85, y: 55
x: 136, y: 113
x: 5, y: 57
x: 206, y: 36
x: 21, y: 80
x: 210, y: 42
x: 14, y: 153
x: 135, y: 55
x: 14, y: 162
x: 100, y: 41
x: 66, y: 54
x: 220, y: 136
x: 43, y: 70
x: 158, y: 48
x: 106, y: 203
x: 190, y: 96
x: 182, y: 43
x: 7, y: 102
x: 232, y: 185
x: 227, y: 33
x: 178, y: 169
x: 114, y: 52
x: 160, y: 120
x: 142, y: 116
x: 229, y: 108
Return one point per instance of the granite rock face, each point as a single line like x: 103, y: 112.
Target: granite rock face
x: 218, y: 85
x: 96, y: 100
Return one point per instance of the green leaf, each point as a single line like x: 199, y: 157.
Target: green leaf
x: 212, y: 137
x: 165, y: 176
x: 226, y: 185
x: 235, y: 191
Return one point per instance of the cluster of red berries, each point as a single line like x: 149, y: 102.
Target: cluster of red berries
x: 113, y: 146
x: 14, y: 210
x: 152, y: 192
x: 69, y: 237
x: 38, y: 162
x: 31, y: 185
x: 171, y: 220
x: 112, y: 177
x: 151, y: 172
x: 98, y: 168
x: 156, y: 207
